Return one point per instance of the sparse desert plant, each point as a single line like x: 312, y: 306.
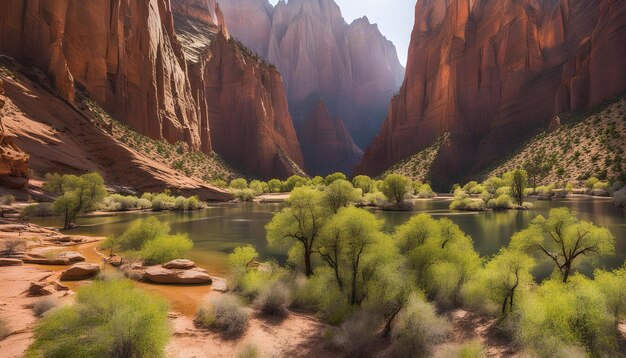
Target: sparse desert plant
x: 418, y: 329
x: 225, y: 313
x: 37, y: 210
x: 471, y: 349
x: 355, y: 336
x: 43, y: 305
x: 248, y: 351
x: 273, y: 300
x: 11, y: 246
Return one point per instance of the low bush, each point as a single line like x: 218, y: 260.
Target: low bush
x: 527, y: 206
x: 462, y: 201
x: 502, y: 202
x: 418, y: 329
x: 356, y: 336
x: 38, y: 210
x: 424, y: 191
x: 238, y: 184
x: 180, y: 204
x: 273, y: 300
x: 162, y: 202
x: 375, y: 198
x: 472, y: 349
x: 244, y: 194
x: 11, y: 247
x: 109, y: 319
x: 248, y: 351
x: 165, y: 248
x: 43, y: 305
x: 225, y: 313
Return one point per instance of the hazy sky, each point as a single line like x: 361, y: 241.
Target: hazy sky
x: 394, y: 18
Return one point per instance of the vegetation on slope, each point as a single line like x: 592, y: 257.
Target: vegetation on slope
x: 418, y: 166
x: 207, y: 167
x: 582, y: 147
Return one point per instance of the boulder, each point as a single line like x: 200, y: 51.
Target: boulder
x: 60, y: 287
x: 167, y: 276
x: 81, y: 271
x: 46, y: 261
x: 11, y: 262
x: 39, y: 289
x: 72, y: 256
x: 180, y: 264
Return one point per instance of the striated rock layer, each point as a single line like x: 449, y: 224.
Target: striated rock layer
x: 493, y: 72
x: 128, y: 57
x: 353, y: 68
x: 244, y: 100
x: 13, y: 161
x: 326, y: 143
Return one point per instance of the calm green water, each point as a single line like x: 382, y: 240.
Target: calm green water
x: 217, y: 230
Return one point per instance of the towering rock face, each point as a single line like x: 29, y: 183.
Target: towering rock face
x: 352, y: 68
x: 326, y: 143
x: 125, y: 53
x: 243, y: 98
x: 128, y: 57
x: 13, y: 161
x: 492, y: 72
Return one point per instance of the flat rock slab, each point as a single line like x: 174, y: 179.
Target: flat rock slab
x: 81, y: 271
x: 180, y: 264
x: 45, y: 261
x: 11, y: 262
x: 167, y: 276
x: 72, y: 256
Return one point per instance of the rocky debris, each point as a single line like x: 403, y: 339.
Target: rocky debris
x: 60, y: 287
x: 10, y: 262
x: 492, y: 73
x: 219, y: 284
x: 37, y: 289
x: 72, y: 256
x: 157, y: 274
x: 180, y: 264
x: 80, y: 271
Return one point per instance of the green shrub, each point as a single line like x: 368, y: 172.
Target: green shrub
x: 224, y: 313
x: 238, y: 184
x: 339, y: 194
x: 162, y: 202
x: 245, y: 195
x: 363, y: 182
x: 138, y: 234
x: 38, y: 210
x: 471, y: 349
x: 356, y: 336
x: 193, y: 203
x: 502, y: 202
x: 259, y: 187
x: 375, y: 198
x: 165, y: 248
x: 424, y: 191
x: 180, y: 204
x: 43, y: 305
x: 333, y: 177
x: 240, y: 261
x: 274, y: 186
x: 294, y: 181
x: 109, y: 319
x: 396, y: 187
x: 248, y: 351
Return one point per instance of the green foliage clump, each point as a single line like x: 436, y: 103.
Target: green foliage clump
x: 339, y: 194
x: 239, y: 263
x: 502, y: 202
x: 424, y: 191
x: 245, y: 195
x: 76, y: 194
x: 396, y: 187
x: 364, y: 183
x: 275, y: 186
x: 273, y: 299
x: 150, y: 239
x: 259, y: 187
x: 463, y: 201
x: 43, y: 305
x: 38, y: 210
x: 333, y: 177
x: 294, y: 181
x: 238, y: 184
x: 564, y: 240
x: 117, y: 202
x: 109, y: 319
x: 517, y: 180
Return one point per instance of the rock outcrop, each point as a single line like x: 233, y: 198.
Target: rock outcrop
x: 194, y: 276
x: 13, y: 161
x: 351, y: 67
x: 244, y: 100
x: 80, y: 271
x: 491, y: 73
x: 326, y: 144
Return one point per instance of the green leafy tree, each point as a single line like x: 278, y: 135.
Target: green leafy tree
x: 77, y: 194
x: 364, y: 183
x: 613, y: 286
x: 239, y: 263
x: 396, y: 187
x: 294, y: 181
x: 275, y: 186
x: 339, y: 194
x: 299, y: 223
x: 317, y: 180
x: 109, y: 319
x: 518, y: 182
x: 564, y: 239
x: 239, y: 184
x: 335, y: 176
x: 259, y: 187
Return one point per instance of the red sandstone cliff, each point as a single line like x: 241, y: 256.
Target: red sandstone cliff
x: 352, y: 68
x: 244, y: 100
x: 125, y: 53
x: 493, y: 72
x: 326, y: 143
x: 13, y: 161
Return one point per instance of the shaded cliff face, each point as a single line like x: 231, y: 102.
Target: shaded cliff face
x: 326, y: 143
x: 492, y: 72
x: 352, y: 68
x: 125, y: 53
x: 13, y: 161
x: 243, y: 99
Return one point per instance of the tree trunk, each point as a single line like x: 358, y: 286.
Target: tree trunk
x: 566, y: 272
x: 307, y: 262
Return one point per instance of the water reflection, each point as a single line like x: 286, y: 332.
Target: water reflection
x: 217, y: 230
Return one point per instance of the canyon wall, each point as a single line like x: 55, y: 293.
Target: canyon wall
x: 13, y: 161
x: 128, y: 57
x: 353, y: 68
x: 491, y: 73
x: 326, y: 143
